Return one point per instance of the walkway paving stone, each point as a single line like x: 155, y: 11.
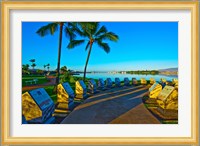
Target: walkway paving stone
x: 121, y: 105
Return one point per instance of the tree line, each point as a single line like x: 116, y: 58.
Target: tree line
x: 152, y: 72
x: 26, y: 70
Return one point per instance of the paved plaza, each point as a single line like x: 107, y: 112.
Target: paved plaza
x: 119, y: 105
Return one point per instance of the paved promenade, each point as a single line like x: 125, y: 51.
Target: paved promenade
x: 121, y: 105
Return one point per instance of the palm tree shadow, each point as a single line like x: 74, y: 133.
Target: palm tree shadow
x: 114, y: 92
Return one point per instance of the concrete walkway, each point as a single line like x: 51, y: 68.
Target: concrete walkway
x: 121, y: 105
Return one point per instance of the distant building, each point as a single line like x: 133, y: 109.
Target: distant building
x: 123, y: 72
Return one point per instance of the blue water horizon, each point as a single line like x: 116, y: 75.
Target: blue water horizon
x: 104, y: 76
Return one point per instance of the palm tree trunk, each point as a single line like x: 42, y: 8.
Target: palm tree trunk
x: 59, y: 52
x: 87, y: 62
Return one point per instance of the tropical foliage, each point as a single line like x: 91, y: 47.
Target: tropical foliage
x: 66, y: 76
x: 63, y: 69
x: 39, y: 71
x: 48, y: 66
x: 33, y: 65
x: 25, y: 69
x: 32, y: 61
x: 44, y: 67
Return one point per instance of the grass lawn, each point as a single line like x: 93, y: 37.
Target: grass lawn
x: 41, y: 80
x: 169, y: 122
x: 32, y: 75
x: 49, y: 90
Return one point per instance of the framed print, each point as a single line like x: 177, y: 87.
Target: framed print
x: 100, y: 72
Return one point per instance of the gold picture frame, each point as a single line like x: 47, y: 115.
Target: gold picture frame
x: 193, y: 6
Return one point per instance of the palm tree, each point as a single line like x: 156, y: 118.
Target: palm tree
x: 33, y: 65
x: 52, y: 28
x: 44, y: 67
x: 32, y: 61
x: 93, y: 34
x: 48, y: 66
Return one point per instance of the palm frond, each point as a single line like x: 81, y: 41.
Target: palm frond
x: 48, y: 29
x: 74, y: 43
x: 86, y: 28
x: 69, y: 33
x: 104, y: 46
x: 88, y: 25
x: 75, y: 28
x: 32, y: 60
x: 109, y: 36
x: 100, y: 31
x: 94, y: 27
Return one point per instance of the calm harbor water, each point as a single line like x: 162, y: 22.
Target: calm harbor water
x: 104, y: 76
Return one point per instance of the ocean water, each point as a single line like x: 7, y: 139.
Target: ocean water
x: 104, y: 76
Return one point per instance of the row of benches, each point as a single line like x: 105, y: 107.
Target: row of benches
x: 108, y: 82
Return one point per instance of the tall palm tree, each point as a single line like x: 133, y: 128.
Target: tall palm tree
x: 52, y: 28
x: 93, y: 33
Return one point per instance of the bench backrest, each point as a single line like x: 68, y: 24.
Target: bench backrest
x: 109, y: 82
x: 117, y: 82
x: 126, y: 81
x: 101, y: 83
x: 167, y: 90
x: 92, y: 86
x: 81, y: 87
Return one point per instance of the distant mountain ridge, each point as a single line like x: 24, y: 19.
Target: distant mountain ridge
x: 168, y: 69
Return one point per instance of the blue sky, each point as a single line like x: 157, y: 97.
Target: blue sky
x: 141, y: 46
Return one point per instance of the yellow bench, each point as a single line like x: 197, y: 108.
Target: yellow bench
x: 143, y: 81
